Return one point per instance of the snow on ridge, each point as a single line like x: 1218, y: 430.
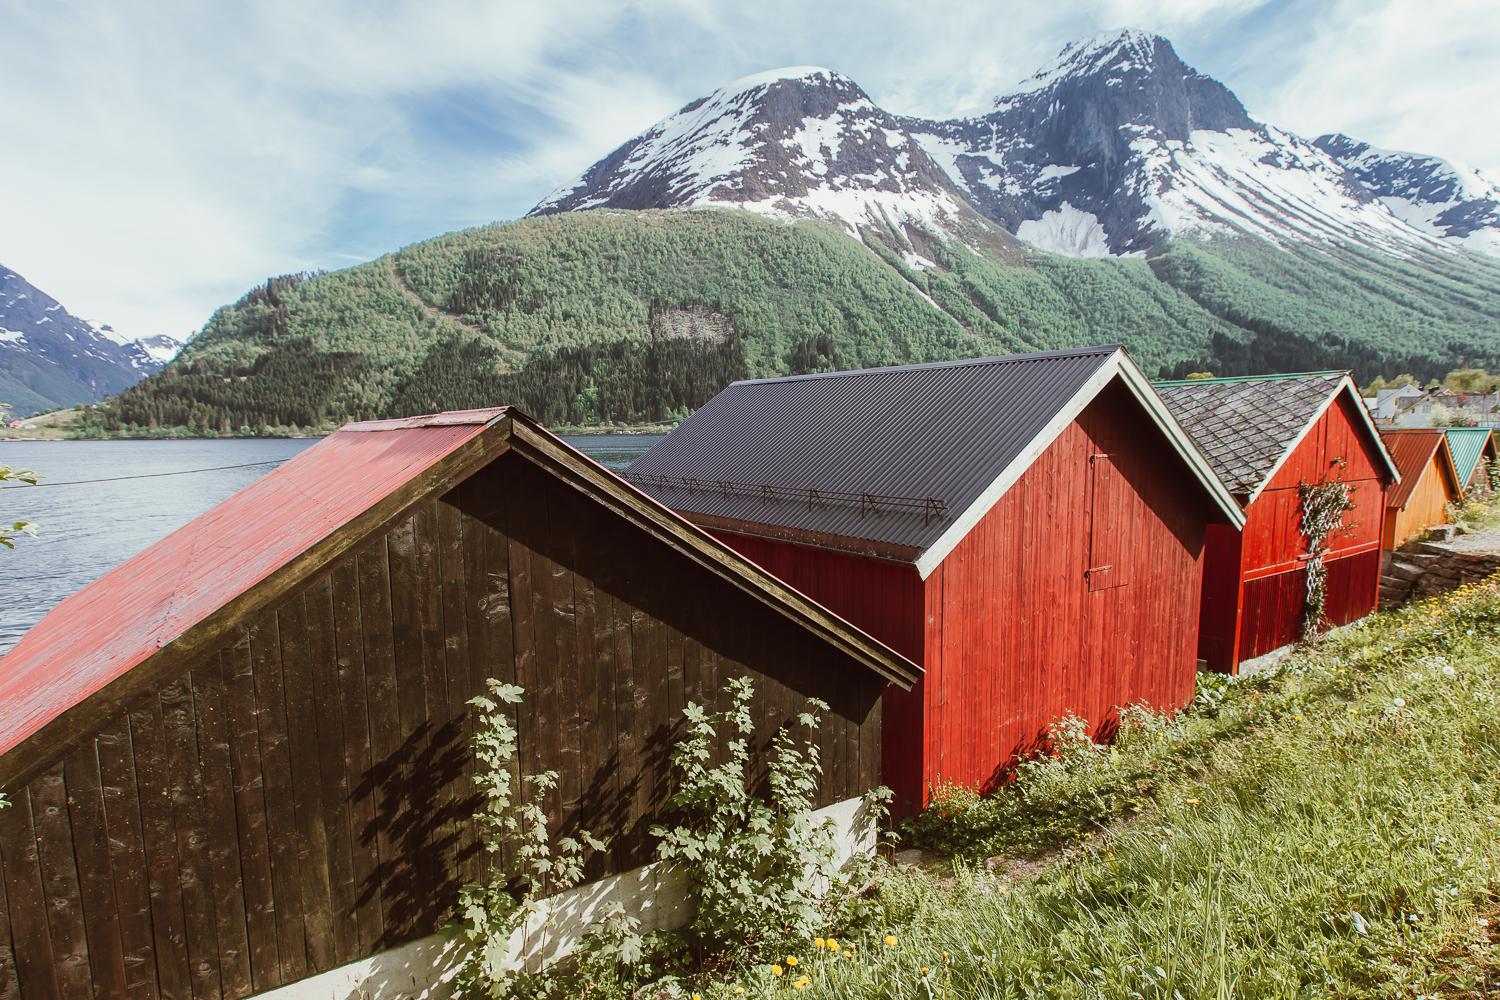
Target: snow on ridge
x: 770, y: 76
x: 1135, y: 47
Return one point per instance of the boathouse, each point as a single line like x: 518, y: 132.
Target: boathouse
x: 1029, y: 529
x: 1265, y: 436
x: 1474, y: 456
x: 1429, y: 483
x: 241, y: 758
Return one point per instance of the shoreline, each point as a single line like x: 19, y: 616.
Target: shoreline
x: 563, y: 431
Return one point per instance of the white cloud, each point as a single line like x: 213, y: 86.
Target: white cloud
x: 161, y: 161
x: 163, y: 157
x: 1401, y: 74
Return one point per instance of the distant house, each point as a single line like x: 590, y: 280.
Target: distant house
x: 241, y: 758
x: 1474, y: 455
x: 1387, y: 404
x: 1265, y: 436
x: 1410, y: 407
x: 1429, y: 483
x: 1029, y: 529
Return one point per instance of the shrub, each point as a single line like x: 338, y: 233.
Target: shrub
x: 759, y: 866
x: 494, y: 913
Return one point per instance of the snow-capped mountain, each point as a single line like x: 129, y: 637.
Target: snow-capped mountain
x: 1114, y: 145
x: 798, y: 142
x: 51, y: 358
x: 1446, y: 199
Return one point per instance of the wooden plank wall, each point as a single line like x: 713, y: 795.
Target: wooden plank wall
x: 301, y: 797
x: 1016, y: 638
x: 1272, y: 600
x: 1428, y: 505
x: 1010, y: 635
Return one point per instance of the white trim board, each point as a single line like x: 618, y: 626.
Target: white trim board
x: 654, y: 894
x: 1118, y: 365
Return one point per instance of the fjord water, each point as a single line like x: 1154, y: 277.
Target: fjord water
x: 87, y: 529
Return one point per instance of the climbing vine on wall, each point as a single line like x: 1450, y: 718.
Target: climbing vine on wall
x: 1323, y: 508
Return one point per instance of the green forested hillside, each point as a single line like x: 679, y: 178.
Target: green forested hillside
x: 630, y: 317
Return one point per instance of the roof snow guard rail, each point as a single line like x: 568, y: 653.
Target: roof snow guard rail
x: 931, y: 508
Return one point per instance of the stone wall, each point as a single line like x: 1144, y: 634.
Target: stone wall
x: 1432, y: 567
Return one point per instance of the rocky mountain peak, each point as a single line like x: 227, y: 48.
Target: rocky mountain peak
x: 1113, y: 145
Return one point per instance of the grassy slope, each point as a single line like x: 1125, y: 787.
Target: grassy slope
x: 589, y: 318
x: 1300, y: 834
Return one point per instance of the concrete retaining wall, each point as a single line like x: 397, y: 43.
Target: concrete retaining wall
x: 656, y: 896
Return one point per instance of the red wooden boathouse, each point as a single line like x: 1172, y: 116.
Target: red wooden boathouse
x: 241, y: 758
x: 1266, y: 435
x: 1029, y: 529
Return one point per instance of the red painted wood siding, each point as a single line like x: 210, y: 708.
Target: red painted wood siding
x: 886, y: 600
x: 1006, y: 628
x: 1015, y: 636
x: 1254, y: 589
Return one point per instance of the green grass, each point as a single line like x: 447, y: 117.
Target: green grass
x: 1329, y: 830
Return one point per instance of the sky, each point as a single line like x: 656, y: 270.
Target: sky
x: 162, y: 157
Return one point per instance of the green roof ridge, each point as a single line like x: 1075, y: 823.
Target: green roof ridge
x: 1244, y: 378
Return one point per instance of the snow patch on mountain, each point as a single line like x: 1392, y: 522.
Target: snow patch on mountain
x: 1068, y: 231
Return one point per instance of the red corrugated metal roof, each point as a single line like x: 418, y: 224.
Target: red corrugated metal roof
x: 125, y: 616
x: 1411, y: 450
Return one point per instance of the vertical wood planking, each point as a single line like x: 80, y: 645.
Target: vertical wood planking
x: 286, y: 842
x: 308, y: 801
x: 385, y: 733
x: 152, y: 782
x: 37, y: 972
x: 254, y: 840
x: 325, y: 662
x: 358, y: 765
x: 122, y: 816
x: 65, y: 919
x: 210, y: 708
x: 194, y: 867
x: 90, y: 838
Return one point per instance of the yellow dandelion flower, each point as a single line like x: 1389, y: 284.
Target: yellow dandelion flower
x: 697, y: 996
x: 1191, y: 802
x: 890, y: 940
x: 791, y: 960
x: 833, y: 944
x: 819, y: 943
x: 739, y: 991
x: 946, y: 955
x: 777, y: 970
x: 799, y: 985
x: 925, y: 970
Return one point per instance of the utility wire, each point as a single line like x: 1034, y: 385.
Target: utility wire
x: 143, y: 475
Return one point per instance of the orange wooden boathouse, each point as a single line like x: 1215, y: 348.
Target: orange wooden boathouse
x: 1429, y: 483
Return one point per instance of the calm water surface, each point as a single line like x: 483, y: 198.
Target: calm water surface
x: 88, y: 529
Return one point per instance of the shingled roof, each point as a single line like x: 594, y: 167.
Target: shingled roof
x: 896, y: 462
x: 1248, y: 425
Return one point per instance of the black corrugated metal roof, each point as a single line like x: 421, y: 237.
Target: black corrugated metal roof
x: 941, y: 432
x: 1244, y: 426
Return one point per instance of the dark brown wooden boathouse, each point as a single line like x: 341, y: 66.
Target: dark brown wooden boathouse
x: 241, y: 757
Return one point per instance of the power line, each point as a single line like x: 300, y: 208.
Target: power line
x: 144, y: 475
